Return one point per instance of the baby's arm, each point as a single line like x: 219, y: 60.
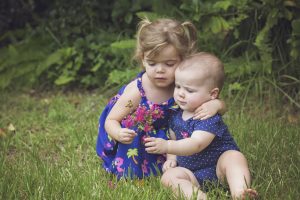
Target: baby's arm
x: 210, y: 108
x: 127, y: 102
x: 184, y: 147
x: 171, y: 161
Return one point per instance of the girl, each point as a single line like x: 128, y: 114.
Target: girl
x: 205, y: 149
x: 142, y: 108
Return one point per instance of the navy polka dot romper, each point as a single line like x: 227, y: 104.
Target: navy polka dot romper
x: 203, y: 164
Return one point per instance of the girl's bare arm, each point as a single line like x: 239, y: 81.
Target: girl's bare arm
x: 210, y: 108
x: 126, y: 104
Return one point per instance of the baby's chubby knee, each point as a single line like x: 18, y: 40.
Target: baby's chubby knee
x: 173, y: 175
x: 231, y: 158
x: 234, y: 154
x: 166, y: 178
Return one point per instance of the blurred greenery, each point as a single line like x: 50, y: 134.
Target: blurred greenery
x: 60, y: 45
x: 83, y: 44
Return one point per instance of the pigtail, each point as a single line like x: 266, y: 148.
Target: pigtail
x: 142, y: 24
x: 191, y: 33
x: 138, y: 51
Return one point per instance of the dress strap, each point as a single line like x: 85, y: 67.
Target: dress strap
x: 139, y: 84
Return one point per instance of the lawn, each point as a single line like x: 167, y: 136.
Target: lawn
x: 47, y: 150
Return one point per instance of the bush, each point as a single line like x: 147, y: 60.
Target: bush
x: 59, y: 44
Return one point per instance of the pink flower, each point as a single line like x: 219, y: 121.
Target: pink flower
x: 140, y: 113
x: 147, y: 128
x: 141, y: 110
x: 156, y: 112
x: 143, y: 117
x: 128, y: 121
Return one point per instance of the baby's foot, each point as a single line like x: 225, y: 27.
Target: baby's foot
x: 249, y: 194
x: 201, y: 196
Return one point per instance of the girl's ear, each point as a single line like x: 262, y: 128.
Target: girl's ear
x: 214, y: 93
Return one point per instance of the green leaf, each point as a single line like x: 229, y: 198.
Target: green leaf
x: 214, y: 24
x: 121, y: 77
x: 12, y: 50
x: 235, y: 86
x: 54, y: 58
x: 149, y: 15
x: 97, y: 65
x: 124, y: 44
x: 78, y: 61
x: 128, y: 18
x: 62, y: 80
x: 296, y: 27
x: 224, y: 5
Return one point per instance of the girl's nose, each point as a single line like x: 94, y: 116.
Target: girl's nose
x: 159, y: 68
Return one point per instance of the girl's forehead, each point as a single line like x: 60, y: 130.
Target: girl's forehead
x: 167, y: 53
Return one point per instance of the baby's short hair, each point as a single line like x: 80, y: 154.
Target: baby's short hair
x: 210, y: 63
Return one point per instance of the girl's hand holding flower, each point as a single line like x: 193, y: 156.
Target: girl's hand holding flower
x: 126, y: 135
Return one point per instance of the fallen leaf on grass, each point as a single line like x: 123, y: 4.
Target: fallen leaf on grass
x: 46, y: 101
x: 11, y: 127
x: 74, y: 101
x: 2, y: 133
x: 292, y: 118
x: 139, y: 183
x: 111, y: 185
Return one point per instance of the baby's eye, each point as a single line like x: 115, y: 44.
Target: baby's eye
x: 189, y: 90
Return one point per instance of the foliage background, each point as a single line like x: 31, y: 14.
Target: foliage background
x: 88, y: 44
x: 47, y: 138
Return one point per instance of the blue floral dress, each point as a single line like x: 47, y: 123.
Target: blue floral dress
x: 148, y: 120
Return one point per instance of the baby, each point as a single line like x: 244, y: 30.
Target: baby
x: 200, y: 150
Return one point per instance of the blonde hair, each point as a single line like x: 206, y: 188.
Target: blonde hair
x: 208, y: 62
x: 154, y: 36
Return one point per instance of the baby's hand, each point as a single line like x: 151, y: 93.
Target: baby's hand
x: 171, y: 163
x: 208, y: 109
x: 126, y: 135
x: 156, y: 145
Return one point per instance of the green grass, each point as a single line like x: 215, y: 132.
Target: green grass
x: 51, y: 153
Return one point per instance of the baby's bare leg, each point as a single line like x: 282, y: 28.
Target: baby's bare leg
x: 233, y: 166
x: 182, y: 179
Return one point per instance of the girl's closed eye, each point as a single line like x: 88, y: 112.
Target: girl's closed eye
x: 170, y: 64
x: 150, y: 63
